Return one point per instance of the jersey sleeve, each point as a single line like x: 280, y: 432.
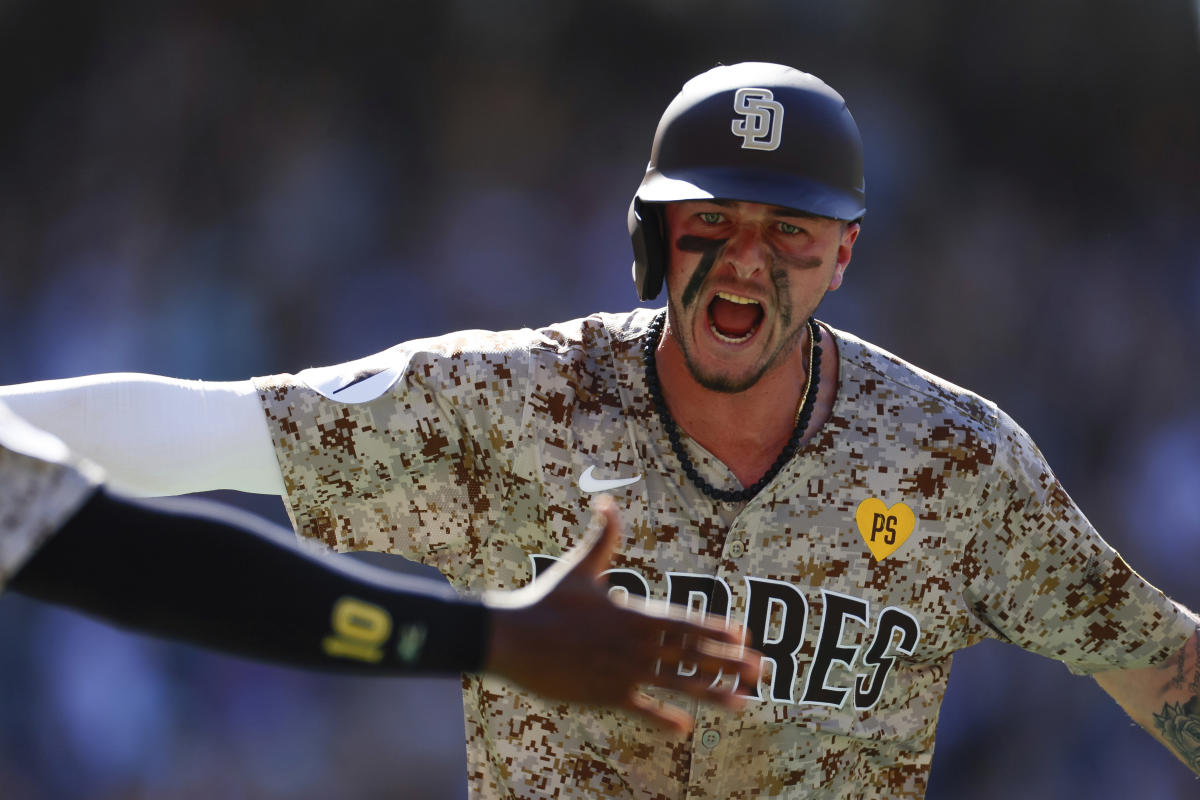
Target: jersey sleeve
x: 41, y: 486
x: 411, y: 451
x: 1041, y: 577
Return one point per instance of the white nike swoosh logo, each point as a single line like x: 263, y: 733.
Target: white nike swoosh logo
x: 590, y: 484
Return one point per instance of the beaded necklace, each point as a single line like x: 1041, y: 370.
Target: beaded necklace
x: 803, y: 415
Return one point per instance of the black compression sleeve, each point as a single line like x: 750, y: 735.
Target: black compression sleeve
x: 218, y: 578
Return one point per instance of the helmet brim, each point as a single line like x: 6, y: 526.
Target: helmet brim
x: 723, y: 183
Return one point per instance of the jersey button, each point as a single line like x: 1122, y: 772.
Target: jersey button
x: 737, y: 549
x: 710, y: 738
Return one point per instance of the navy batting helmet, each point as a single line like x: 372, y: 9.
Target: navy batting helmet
x: 757, y: 132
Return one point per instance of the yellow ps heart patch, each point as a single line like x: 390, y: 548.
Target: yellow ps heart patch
x: 884, y: 529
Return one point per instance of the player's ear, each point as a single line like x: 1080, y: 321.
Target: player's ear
x: 845, y: 248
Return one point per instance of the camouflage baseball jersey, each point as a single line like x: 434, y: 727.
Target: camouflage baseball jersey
x: 917, y: 521
x: 41, y: 486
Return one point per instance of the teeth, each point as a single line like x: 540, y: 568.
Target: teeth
x: 736, y: 298
x: 732, y: 339
x: 741, y: 301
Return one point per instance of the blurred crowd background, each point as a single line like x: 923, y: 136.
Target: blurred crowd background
x: 217, y: 190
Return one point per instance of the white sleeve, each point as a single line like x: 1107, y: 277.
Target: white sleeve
x: 158, y: 436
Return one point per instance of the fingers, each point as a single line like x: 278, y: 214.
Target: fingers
x: 746, y: 668
x: 701, y: 687
x: 746, y: 664
x: 688, y: 657
x: 681, y: 621
x: 665, y: 716
x: 597, y: 552
x: 709, y: 649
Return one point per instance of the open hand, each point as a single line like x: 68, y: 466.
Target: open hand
x: 564, y: 637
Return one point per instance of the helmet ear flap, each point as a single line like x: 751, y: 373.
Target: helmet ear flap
x: 649, y: 248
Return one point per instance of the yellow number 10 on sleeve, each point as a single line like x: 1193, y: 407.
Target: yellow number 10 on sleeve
x: 360, y: 630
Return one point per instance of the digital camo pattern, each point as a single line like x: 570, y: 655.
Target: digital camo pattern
x: 40, y: 488
x: 470, y: 463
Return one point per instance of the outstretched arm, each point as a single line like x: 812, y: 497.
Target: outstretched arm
x: 1164, y: 699
x: 209, y: 574
x: 157, y: 436
x: 227, y: 580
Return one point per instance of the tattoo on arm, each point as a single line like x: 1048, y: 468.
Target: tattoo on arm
x: 1195, y: 687
x: 1180, y: 678
x: 1178, y: 681
x: 1179, y: 724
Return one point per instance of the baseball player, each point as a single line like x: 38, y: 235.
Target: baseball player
x: 863, y: 519
x: 152, y: 568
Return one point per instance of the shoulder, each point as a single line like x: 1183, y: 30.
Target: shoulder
x: 588, y: 342
x: 591, y: 359
x: 466, y: 358
x: 600, y: 350
x: 877, y: 365
x: 934, y: 413
x: 597, y: 332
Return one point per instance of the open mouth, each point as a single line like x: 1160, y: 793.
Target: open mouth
x: 733, y: 318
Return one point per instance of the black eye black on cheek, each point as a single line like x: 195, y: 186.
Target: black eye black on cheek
x: 789, y: 261
x: 708, y: 248
x: 698, y: 244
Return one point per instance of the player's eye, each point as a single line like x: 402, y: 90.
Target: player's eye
x: 711, y: 217
x: 789, y: 228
